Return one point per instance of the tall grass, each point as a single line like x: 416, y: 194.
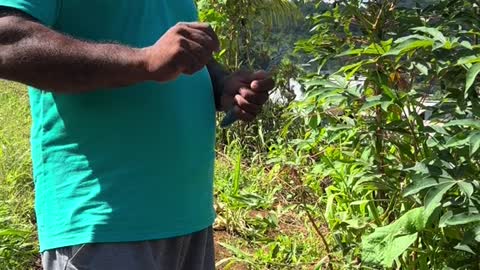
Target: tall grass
x: 18, y: 246
x: 259, y: 210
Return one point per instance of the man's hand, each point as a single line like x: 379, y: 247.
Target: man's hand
x: 246, y: 93
x: 185, y: 48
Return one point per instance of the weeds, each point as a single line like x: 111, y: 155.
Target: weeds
x: 18, y: 247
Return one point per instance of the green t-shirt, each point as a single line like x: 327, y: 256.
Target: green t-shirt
x: 126, y: 164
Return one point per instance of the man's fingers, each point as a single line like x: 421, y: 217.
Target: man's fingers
x: 243, y: 115
x: 207, y: 29
x: 264, y: 85
x: 189, y: 63
x: 248, y: 107
x: 200, y: 37
x: 255, y: 97
x: 201, y: 54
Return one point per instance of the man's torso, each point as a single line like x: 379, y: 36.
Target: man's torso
x: 124, y: 164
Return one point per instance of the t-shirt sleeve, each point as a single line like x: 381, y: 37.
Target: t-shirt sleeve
x: 43, y: 10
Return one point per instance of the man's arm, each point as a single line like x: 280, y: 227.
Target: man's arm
x: 35, y: 55
x: 218, y: 74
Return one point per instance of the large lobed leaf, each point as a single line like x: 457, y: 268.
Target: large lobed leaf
x: 386, y: 244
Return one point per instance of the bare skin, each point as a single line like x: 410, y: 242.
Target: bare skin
x: 36, y: 55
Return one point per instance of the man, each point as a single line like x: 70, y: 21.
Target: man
x: 123, y: 98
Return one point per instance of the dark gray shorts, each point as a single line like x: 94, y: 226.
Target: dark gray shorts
x: 190, y: 252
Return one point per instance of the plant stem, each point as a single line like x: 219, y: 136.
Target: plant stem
x: 415, y: 254
x: 296, y: 178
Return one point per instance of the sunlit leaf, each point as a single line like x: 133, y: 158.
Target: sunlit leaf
x: 435, y: 33
x: 434, y: 196
x: 443, y: 220
x: 462, y: 219
x: 457, y: 141
x: 476, y: 232
x: 387, y: 243
x: 466, y: 44
x: 468, y: 60
x: 409, y: 46
x: 471, y: 76
x: 466, y: 188
x: 464, y: 122
x: 420, y: 167
x: 474, y: 143
x: 465, y: 248
x: 375, y: 101
x: 422, y: 68
x: 419, y: 184
x: 415, y: 36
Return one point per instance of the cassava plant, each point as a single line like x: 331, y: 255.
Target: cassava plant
x: 391, y: 139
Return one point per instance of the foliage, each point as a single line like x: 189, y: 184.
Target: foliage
x: 245, y: 28
x: 392, y: 137
x: 259, y: 224
x: 18, y: 247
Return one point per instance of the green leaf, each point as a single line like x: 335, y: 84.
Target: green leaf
x: 471, y: 76
x: 350, y: 67
x: 422, y: 68
x: 416, y: 37
x: 435, y: 33
x: 386, y: 244
x: 431, y: 142
x: 468, y: 60
x: 323, y: 83
x: 385, y: 104
x: 330, y: 207
x: 419, y: 167
x: 351, y: 52
x: 465, y: 248
x: 476, y: 232
x: 464, y: 122
x: 374, y: 49
x: 457, y: 141
x: 462, y: 219
x: 466, y: 188
x: 409, y: 45
x: 474, y: 143
x: 439, y: 129
x: 443, y: 220
x: 389, y: 92
x: 235, y: 250
x: 375, y: 101
x: 472, y: 236
x: 236, y: 175
x: 360, y: 202
x: 418, y: 185
x: 434, y: 196
x: 466, y: 44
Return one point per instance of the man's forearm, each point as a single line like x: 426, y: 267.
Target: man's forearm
x: 217, y: 75
x: 35, y: 55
